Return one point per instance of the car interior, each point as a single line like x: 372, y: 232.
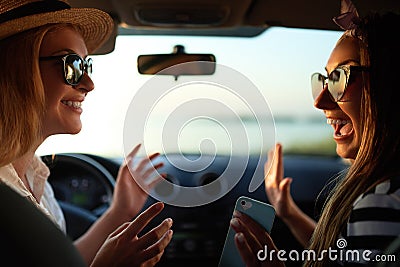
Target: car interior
x: 212, y: 139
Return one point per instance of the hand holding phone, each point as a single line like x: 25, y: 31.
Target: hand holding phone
x: 260, y: 212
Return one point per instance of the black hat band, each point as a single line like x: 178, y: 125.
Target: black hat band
x: 33, y: 8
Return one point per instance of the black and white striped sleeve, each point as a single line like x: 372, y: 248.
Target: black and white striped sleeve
x: 375, y: 220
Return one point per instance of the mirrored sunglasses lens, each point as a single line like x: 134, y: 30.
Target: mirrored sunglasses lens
x: 317, y: 84
x: 73, y: 69
x: 337, y: 83
x: 89, y: 68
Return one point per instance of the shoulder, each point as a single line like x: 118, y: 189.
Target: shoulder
x: 375, y: 218
x: 9, y: 176
x: 385, y: 195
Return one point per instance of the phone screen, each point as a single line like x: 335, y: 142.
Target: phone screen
x: 262, y: 213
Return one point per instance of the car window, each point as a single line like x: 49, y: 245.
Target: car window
x: 278, y: 62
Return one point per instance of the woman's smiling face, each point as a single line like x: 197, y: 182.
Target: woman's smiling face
x: 344, y: 115
x: 63, y: 101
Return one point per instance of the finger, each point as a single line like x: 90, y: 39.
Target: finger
x: 119, y: 229
x: 275, y: 174
x: 268, y: 163
x: 270, y: 166
x: 244, y: 250
x: 158, y: 165
x: 279, y: 162
x: 258, y: 231
x: 154, y: 235
x: 154, y: 155
x: 276, y: 163
x: 133, y: 153
x: 251, y: 224
x: 158, y: 247
x: 142, y: 220
x: 156, y: 180
x: 285, y: 186
x: 153, y: 261
x: 143, y: 163
x: 151, y: 169
x: 254, y: 244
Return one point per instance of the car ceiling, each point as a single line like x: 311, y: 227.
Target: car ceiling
x: 244, y: 18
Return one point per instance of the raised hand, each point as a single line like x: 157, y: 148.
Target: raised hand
x: 278, y: 193
x: 129, y: 196
x: 124, y: 247
x: 277, y: 187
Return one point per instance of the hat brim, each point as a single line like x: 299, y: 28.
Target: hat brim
x: 94, y: 25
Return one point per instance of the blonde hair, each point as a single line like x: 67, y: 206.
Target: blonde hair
x: 22, y: 98
x: 379, y: 153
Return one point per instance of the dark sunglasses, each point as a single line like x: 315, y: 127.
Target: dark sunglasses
x: 337, y: 81
x: 74, y: 67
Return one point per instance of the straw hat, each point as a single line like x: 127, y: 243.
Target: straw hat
x: 20, y: 15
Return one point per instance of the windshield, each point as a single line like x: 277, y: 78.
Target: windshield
x: 278, y: 63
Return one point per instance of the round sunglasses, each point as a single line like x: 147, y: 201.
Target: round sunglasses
x: 337, y: 81
x: 74, y: 67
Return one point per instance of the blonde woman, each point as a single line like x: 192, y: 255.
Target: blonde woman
x: 44, y: 78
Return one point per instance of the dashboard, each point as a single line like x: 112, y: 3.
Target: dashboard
x: 83, y: 184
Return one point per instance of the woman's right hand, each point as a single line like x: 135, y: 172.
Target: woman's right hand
x: 125, y: 248
x: 254, y: 244
x: 278, y: 192
x: 277, y: 187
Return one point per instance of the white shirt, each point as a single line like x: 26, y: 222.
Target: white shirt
x: 37, y: 174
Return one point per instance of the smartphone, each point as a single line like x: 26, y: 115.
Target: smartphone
x: 262, y: 213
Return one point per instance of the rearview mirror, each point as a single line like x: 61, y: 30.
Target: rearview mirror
x: 162, y: 64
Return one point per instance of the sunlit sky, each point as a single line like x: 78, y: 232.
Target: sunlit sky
x: 279, y: 63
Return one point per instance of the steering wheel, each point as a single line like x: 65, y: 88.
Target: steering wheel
x: 83, y: 188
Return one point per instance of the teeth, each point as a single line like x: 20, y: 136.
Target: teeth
x: 336, y: 121
x: 74, y: 104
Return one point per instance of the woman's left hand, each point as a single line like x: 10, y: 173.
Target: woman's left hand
x: 124, y: 247
x: 129, y: 197
x: 253, y: 242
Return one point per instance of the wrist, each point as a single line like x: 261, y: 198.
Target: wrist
x: 292, y: 216
x: 116, y: 215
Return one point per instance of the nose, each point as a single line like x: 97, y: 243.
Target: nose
x: 86, y: 85
x: 324, y: 100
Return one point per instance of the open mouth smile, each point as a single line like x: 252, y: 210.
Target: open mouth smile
x: 342, y: 128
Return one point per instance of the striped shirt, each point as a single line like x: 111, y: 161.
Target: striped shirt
x: 374, y: 223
